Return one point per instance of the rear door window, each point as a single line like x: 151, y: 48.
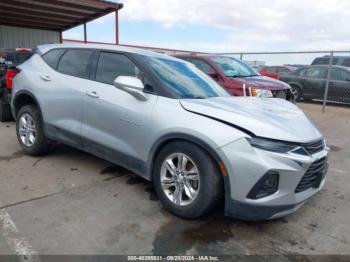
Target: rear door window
x: 313, y: 72
x: 75, y: 62
x: 203, y: 66
x: 112, y: 65
x: 52, y: 57
x: 340, y: 75
x: 283, y: 71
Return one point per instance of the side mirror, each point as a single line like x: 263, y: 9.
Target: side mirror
x: 131, y: 85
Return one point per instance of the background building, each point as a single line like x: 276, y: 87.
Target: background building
x: 28, y: 23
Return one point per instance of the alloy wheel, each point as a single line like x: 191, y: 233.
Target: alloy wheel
x: 180, y: 179
x: 296, y: 93
x: 27, y: 130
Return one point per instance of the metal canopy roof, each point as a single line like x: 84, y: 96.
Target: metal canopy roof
x: 58, y: 15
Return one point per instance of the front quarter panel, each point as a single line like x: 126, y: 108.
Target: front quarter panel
x: 171, y: 120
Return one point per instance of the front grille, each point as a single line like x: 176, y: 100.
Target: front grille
x: 313, y: 176
x: 314, y: 147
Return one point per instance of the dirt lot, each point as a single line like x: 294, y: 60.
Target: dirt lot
x: 69, y: 202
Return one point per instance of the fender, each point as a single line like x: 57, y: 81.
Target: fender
x: 296, y: 84
x: 16, y: 97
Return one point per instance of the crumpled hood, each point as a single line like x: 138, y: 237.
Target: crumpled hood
x: 264, y: 117
x: 263, y: 82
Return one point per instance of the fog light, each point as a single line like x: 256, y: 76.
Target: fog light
x: 266, y: 186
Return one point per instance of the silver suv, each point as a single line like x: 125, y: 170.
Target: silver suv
x: 170, y: 123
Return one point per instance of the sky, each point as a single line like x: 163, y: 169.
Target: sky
x: 229, y: 26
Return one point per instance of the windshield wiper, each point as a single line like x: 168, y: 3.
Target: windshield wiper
x: 249, y: 76
x: 193, y: 97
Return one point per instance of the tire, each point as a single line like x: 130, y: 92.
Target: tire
x: 297, y: 93
x: 209, y: 188
x: 5, y: 113
x: 40, y: 144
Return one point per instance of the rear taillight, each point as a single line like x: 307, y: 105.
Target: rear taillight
x: 9, y: 75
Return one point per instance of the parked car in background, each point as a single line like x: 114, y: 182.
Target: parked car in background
x: 296, y: 66
x: 239, y: 78
x: 336, y: 60
x: 310, y: 82
x: 172, y: 124
x: 276, y: 71
x: 9, y: 59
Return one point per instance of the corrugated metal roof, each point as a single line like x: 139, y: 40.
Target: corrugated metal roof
x: 56, y: 15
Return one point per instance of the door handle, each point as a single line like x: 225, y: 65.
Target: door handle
x: 92, y: 94
x: 45, y: 78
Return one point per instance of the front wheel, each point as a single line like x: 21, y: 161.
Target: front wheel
x: 187, y: 180
x: 296, y: 91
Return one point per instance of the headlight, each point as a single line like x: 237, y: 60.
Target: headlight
x: 261, y: 93
x: 275, y: 146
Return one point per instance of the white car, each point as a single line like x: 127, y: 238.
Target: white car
x: 170, y: 123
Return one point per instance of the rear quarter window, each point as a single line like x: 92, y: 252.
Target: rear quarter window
x: 52, y: 57
x: 75, y: 62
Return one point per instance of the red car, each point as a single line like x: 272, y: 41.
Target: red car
x: 276, y: 71
x: 9, y: 59
x: 239, y: 78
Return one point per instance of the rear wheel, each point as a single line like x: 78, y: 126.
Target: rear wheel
x: 187, y: 180
x: 5, y: 113
x: 30, y: 132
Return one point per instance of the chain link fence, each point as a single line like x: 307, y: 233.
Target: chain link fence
x: 319, y: 77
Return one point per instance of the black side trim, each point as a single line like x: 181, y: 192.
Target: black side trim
x: 109, y: 154
x: 224, y: 122
x: 116, y: 157
x: 57, y: 134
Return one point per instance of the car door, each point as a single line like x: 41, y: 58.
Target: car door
x: 339, y: 86
x: 313, y: 82
x: 115, y: 123
x: 60, y: 94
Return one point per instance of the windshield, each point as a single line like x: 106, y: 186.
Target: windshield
x: 185, y: 79
x: 234, y: 68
